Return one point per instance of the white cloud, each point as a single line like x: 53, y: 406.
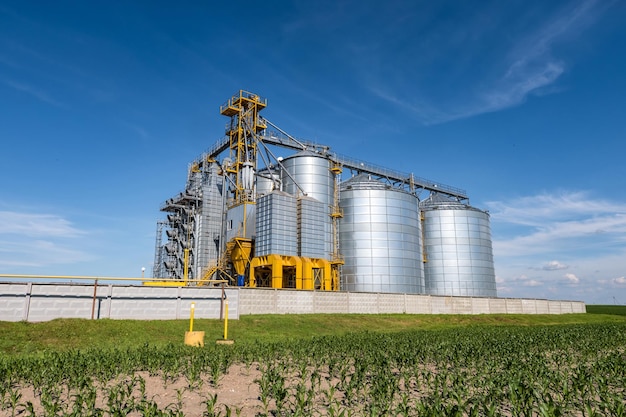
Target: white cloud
x: 553, y: 266
x: 579, y: 233
x: 571, y: 278
x: 547, y: 223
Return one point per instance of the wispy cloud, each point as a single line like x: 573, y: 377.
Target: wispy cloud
x: 550, y: 222
x: 139, y: 130
x: 37, y: 225
x: 537, y: 209
x: 526, y: 66
x: 33, y: 91
x: 532, y: 64
x: 39, y: 253
x: 526, y: 281
x: 31, y: 240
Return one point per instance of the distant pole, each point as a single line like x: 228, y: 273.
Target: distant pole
x: 143, y: 269
x: 222, y: 303
x: 93, y: 302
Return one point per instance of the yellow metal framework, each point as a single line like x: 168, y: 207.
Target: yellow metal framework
x: 245, y: 123
x: 336, y: 214
x: 242, y: 130
x: 282, y: 271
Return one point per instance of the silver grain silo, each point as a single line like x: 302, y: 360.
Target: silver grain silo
x: 458, y: 250
x: 379, y: 238
x: 276, y: 225
x: 308, y: 173
x: 267, y: 180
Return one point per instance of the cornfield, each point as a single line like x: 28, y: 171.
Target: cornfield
x: 562, y: 370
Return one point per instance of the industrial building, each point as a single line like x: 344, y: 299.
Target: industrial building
x: 315, y: 220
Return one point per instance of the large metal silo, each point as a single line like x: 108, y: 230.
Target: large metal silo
x: 267, y: 180
x: 458, y: 249
x: 307, y: 173
x: 379, y: 238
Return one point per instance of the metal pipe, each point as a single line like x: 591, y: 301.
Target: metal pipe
x: 286, y: 134
x: 222, y: 303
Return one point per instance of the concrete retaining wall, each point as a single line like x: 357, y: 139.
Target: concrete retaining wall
x: 46, y: 301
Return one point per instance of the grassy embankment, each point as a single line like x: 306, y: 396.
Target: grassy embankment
x: 65, y: 334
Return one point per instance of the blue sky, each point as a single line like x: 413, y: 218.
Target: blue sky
x: 522, y: 103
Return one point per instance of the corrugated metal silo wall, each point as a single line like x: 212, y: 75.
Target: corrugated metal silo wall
x: 457, y: 242
x: 276, y: 225
x: 380, y: 239
x: 311, y: 222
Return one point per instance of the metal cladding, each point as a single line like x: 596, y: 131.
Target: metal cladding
x: 312, y: 218
x: 380, y: 238
x: 209, y: 220
x: 308, y: 173
x: 241, y: 221
x: 276, y: 225
x: 458, y: 249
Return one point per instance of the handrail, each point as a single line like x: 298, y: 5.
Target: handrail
x: 103, y: 278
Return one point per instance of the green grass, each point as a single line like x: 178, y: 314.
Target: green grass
x: 607, y: 309
x: 21, y: 338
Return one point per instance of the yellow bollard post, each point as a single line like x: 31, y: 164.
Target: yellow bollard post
x: 193, y: 309
x: 225, y: 341
x: 193, y: 338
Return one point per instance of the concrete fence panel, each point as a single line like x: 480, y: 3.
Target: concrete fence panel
x: 480, y: 306
x: 327, y: 302
x: 47, y: 301
x: 513, y: 306
x: 363, y: 303
x: 497, y: 306
x: 391, y: 303
x: 294, y: 302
